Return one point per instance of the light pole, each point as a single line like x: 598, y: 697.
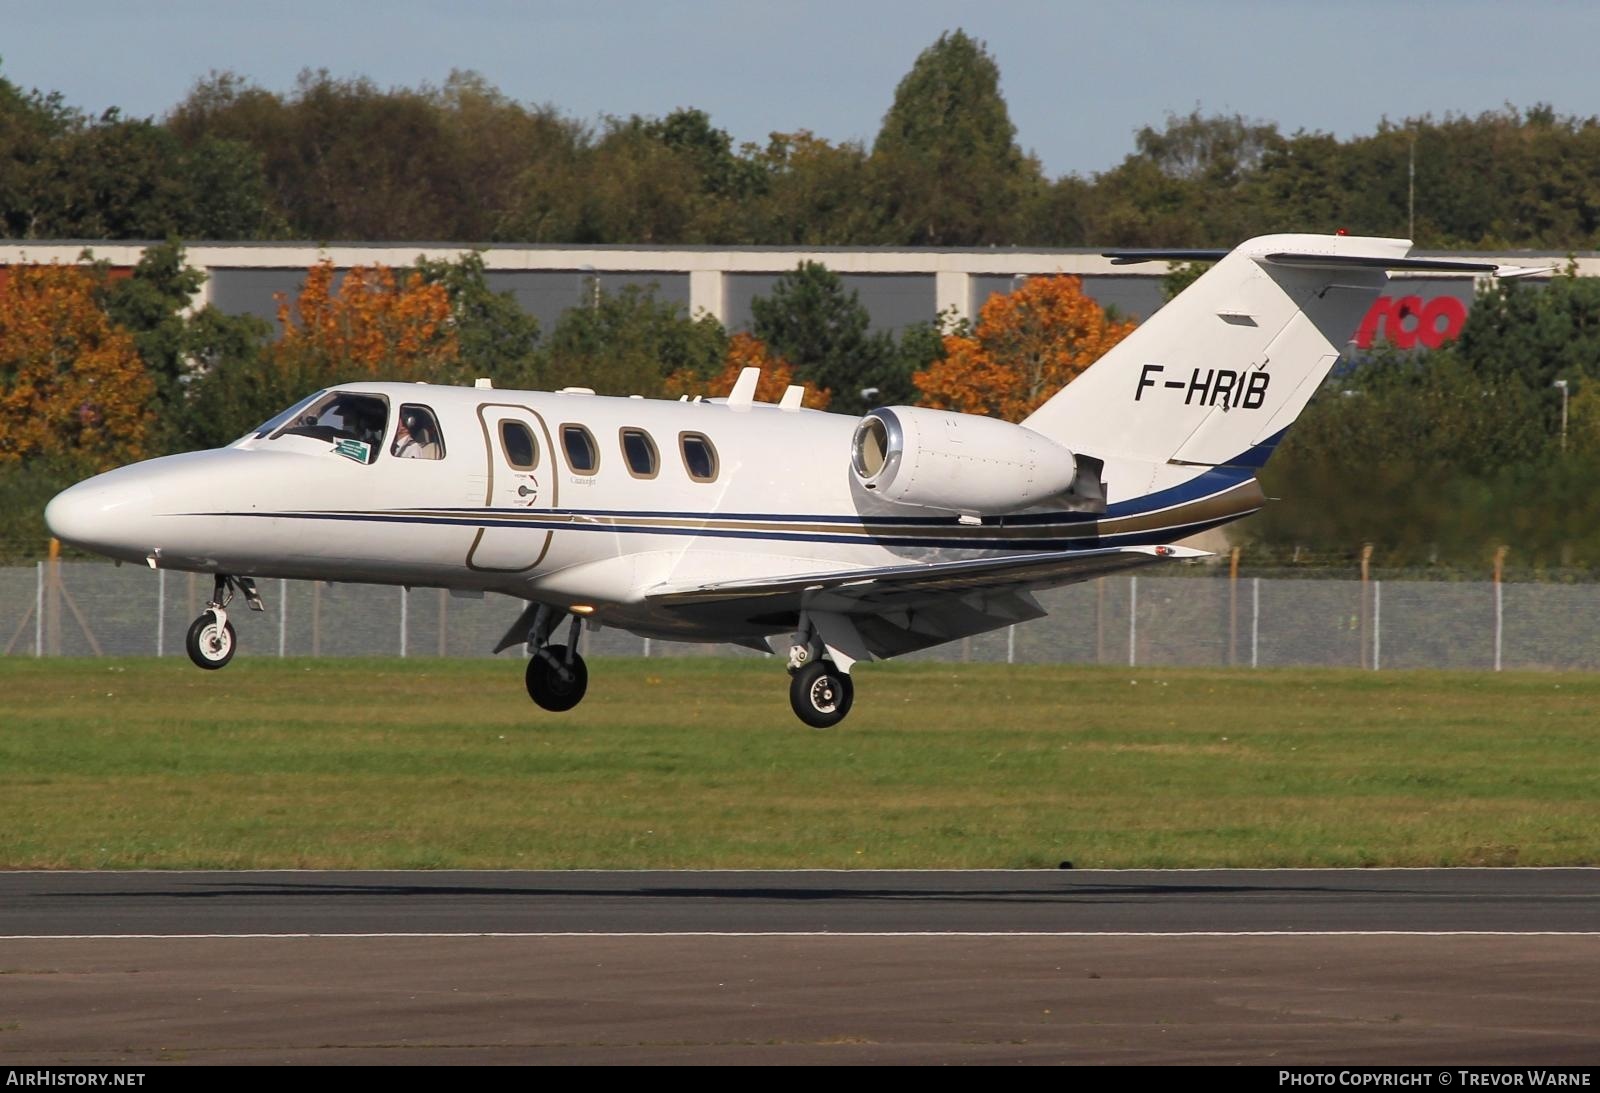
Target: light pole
x: 1561, y: 385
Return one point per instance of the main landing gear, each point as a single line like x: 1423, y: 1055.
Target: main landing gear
x: 820, y: 690
x: 557, y: 677
x: 211, y: 642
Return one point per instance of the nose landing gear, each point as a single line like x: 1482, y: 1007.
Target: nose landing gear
x: 211, y: 641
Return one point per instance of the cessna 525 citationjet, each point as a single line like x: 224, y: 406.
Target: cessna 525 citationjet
x: 825, y: 538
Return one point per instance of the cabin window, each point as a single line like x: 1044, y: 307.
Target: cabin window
x: 354, y: 424
x: 417, y: 436
x: 640, y: 452
x: 582, y: 454
x: 699, y: 456
x: 516, y: 440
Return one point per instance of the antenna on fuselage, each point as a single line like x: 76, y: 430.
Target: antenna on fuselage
x: 744, y: 390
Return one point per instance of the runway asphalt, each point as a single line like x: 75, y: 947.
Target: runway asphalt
x: 1216, y: 966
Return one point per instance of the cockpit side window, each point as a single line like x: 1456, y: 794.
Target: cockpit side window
x: 417, y: 435
x: 353, y: 423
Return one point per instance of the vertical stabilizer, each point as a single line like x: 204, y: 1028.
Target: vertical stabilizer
x: 1217, y: 375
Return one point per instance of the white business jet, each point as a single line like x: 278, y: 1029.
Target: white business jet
x: 824, y: 538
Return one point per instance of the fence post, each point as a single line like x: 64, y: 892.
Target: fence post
x: 1133, y: 622
x: 1499, y: 601
x: 1099, y: 620
x: 404, y: 618
x: 1366, y: 573
x: 1255, y: 622
x: 1377, y: 624
x: 52, y: 622
x: 161, y: 612
x: 1011, y: 644
x: 38, y: 613
x: 1233, y: 608
x: 444, y: 610
x: 283, y: 616
x: 646, y: 647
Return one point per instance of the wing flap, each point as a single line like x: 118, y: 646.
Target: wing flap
x: 882, y: 584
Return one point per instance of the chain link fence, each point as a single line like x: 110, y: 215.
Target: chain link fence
x: 97, y: 609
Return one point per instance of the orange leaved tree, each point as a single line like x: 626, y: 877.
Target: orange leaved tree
x: 376, y: 324
x: 72, y: 385
x: 748, y: 351
x: 1026, y: 347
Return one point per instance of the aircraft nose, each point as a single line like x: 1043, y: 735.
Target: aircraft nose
x: 91, y: 514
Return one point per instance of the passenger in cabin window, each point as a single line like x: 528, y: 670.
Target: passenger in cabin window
x: 416, y: 437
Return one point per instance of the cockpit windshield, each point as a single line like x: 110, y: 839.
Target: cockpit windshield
x: 354, y: 424
x: 278, y: 421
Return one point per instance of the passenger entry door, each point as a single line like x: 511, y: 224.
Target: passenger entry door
x: 520, y: 491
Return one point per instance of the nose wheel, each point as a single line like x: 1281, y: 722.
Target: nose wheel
x: 211, y: 643
x: 821, y: 694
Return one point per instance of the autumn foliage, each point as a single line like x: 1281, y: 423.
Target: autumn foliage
x: 1026, y: 346
x: 748, y: 351
x: 71, y: 382
x: 375, y: 324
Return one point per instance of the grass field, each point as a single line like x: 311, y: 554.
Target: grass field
x: 699, y: 763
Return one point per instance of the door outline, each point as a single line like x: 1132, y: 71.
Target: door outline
x: 498, y: 469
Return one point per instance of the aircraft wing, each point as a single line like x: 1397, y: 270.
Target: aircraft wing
x: 901, y: 608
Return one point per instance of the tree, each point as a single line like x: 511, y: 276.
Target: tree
x: 1027, y: 345
x: 814, y: 322
x: 496, y: 337
x: 628, y: 343
x: 815, y: 194
x: 948, y: 170
x: 29, y: 124
x: 72, y: 386
x: 176, y: 344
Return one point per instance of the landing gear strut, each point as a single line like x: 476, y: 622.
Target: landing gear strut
x: 557, y: 677
x: 211, y: 641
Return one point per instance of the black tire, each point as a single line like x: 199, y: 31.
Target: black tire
x: 210, y: 647
x: 821, y: 694
x: 548, y: 689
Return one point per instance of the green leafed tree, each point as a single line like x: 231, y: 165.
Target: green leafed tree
x: 497, y: 338
x: 947, y: 169
x: 820, y: 327
x: 627, y: 343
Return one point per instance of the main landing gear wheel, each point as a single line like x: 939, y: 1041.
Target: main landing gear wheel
x: 211, y: 646
x: 821, y: 694
x: 549, y: 686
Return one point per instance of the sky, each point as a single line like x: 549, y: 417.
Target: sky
x: 1080, y: 78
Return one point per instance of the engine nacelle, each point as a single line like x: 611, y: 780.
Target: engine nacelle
x: 940, y: 459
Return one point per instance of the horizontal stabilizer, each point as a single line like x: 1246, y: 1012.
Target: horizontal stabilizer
x: 1134, y: 257
x: 1309, y: 260
x: 1375, y: 261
